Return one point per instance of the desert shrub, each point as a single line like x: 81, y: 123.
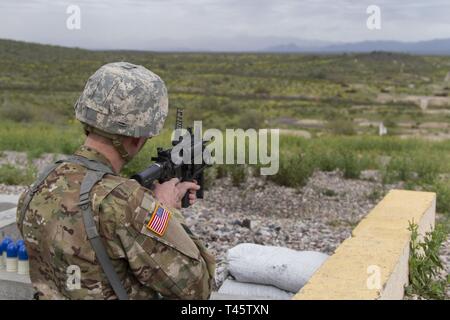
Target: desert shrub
x: 17, y: 113
x: 262, y: 91
x: 251, y: 119
x: 239, y: 174
x: 229, y: 108
x: 341, y: 127
x: 37, y: 138
x: 390, y: 123
x: 317, y: 74
x: 398, y: 169
x: 425, y: 264
x: 12, y: 175
x: 209, y: 177
x: 209, y: 103
x: 419, y: 168
x: 294, y: 171
x: 442, y: 189
x: 326, y: 160
x: 350, y: 165
x: 221, y: 171
x: 427, y: 168
x: 331, y: 159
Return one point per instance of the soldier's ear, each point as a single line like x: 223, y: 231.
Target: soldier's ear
x: 141, y: 142
x: 136, y: 142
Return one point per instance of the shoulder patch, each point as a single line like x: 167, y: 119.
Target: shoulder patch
x: 159, y: 220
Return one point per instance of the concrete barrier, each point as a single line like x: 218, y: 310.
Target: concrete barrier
x: 14, y: 286
x: 373, y: 262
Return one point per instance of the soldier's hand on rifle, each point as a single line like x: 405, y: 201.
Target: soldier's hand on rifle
x: 190, y: 187
x: 171, y: 192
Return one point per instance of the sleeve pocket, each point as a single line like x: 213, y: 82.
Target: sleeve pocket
x: 175, y: 236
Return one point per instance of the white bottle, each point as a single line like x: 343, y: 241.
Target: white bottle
x: 23, y: 266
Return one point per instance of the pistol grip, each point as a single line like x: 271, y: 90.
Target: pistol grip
x: 185, y: 201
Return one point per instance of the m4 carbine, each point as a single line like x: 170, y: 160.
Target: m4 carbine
x: 190, y: 167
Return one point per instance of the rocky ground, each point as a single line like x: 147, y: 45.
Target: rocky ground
x: 317, y: 217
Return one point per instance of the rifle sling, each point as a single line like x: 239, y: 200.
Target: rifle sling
x: 91, y: 178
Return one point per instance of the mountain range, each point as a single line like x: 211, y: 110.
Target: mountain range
x: 434, y: 47
x: 276, y: 45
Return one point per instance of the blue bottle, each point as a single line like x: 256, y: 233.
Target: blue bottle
x: 19, y: 243
x: 11, y: 257
x: 3, y: 247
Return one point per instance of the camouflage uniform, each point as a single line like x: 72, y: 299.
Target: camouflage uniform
x: 120, y: 99
x: 175, y: 265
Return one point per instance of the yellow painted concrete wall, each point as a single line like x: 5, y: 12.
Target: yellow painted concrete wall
x: 373, y: 262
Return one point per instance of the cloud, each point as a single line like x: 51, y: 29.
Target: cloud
x: 219, y: 24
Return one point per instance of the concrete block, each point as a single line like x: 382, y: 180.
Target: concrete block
x: 14, y: 286
x: 373, y: 262
x: 10, y: 198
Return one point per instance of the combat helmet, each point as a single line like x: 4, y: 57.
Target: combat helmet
x: 123, y: 99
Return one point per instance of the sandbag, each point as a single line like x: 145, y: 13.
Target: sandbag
x: 253, y: 290
x: 283, y: 268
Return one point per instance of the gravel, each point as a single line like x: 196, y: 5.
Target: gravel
x: 20, y: 159
x: 6, y: 189
x: 316, y: 217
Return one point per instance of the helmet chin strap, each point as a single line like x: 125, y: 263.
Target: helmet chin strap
x: 117, y: 141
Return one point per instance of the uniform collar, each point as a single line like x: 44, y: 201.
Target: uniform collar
x: 92, y: 154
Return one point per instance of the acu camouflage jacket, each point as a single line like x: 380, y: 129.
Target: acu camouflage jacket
x: 174, y: 265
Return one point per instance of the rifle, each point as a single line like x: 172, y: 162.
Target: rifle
x: 164, y: 169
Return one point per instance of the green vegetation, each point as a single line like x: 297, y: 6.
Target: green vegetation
x: 37, y: 138
x: 39, y: 85
x: 423, y: 165
x: 11, y: 175
x: 425, y: 266
x: 294, y: 170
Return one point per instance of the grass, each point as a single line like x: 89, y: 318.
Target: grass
x: 40, y: 83
x: 11, y: 175
x: 37, y: 138
x: 420, y: 164
x: 425, y: 265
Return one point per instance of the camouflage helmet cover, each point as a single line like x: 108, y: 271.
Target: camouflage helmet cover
x: 124, y: 99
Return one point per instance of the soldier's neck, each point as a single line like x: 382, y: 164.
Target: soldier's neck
x: 105, y: 147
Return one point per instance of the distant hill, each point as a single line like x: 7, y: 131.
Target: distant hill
x: 291, y: 47
x: 250, y: 44
x: 438, y: 47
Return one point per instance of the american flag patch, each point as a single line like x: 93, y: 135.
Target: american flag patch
x: 159, y: 220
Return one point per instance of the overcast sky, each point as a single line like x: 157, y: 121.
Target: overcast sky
x: 219, y: 24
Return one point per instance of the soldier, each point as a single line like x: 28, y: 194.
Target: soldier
x: 92, y: 234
